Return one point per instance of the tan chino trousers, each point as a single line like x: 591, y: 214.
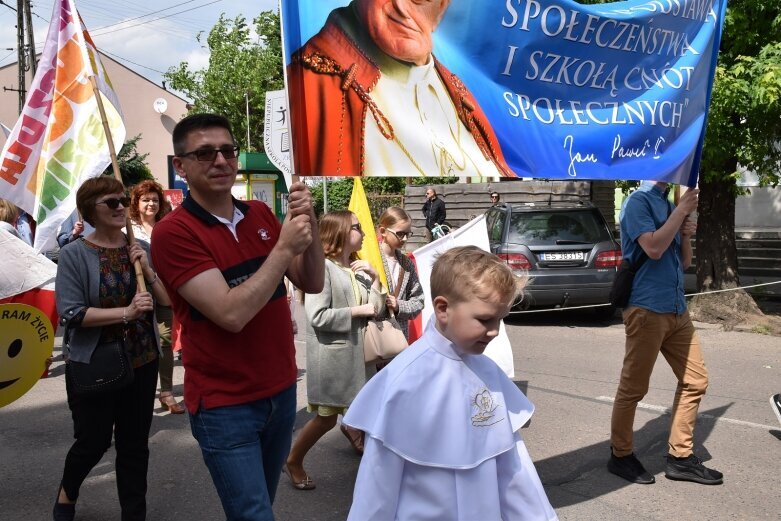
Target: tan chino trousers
x: 648, y: 334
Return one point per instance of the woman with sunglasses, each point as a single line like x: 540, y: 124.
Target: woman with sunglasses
x: 98, y: 302
x: 147, y: 207
x: 405, y: 294
x: 336, y: 321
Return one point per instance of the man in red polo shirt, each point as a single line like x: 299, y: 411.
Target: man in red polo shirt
x: 223, y: 262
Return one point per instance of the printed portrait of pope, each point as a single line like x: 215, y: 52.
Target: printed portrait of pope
x: 377, y: 102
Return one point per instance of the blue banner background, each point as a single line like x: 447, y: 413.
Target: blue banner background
x: 475, y: 41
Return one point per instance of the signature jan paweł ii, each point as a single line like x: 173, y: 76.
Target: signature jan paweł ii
x: 619, y: 150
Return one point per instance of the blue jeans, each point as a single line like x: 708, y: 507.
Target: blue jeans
x: 244, y: 447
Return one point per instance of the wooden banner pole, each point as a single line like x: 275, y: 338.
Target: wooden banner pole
x: 115, y: 166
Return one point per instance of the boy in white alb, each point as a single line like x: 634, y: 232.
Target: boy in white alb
x: 442, y: 421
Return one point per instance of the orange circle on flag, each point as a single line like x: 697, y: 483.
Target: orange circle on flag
x: 26, y: 341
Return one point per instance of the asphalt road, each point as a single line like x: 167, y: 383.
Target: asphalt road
x: 566, y: 362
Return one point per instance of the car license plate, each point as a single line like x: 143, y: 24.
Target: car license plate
x: 562, y: 256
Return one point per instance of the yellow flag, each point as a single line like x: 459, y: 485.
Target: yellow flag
x: 370, y: 250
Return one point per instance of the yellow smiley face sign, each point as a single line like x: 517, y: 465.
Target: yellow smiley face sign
x: 26, y: 341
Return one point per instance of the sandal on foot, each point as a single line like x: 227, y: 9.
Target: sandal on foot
x: 169, y: 403
x: 355, y: 436
x: 305, y: 484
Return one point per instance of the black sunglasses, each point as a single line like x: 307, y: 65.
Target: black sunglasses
x: 210, y: 154
x: 402, y: 236
x: 114, y: 202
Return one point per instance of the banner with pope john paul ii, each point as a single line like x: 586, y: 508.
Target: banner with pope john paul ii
x: 529, y: 88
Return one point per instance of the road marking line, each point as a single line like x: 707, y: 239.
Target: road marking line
x: 667, y: 410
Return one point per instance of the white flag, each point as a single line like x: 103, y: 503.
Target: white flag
x: 473, y: 233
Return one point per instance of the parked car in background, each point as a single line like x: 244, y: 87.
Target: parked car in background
x: 567, y: 249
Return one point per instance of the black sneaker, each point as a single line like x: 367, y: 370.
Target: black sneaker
x: 629, y: 468
x: 775, y: 404
x: 691, y: 469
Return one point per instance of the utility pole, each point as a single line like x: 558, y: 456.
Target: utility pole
x: 28, y: 13
x: 25, y: 53
x: 20, y: 52
x: 246, y: 97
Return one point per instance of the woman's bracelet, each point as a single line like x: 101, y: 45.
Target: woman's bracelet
x: 124, y: 316
x: 152, y: 282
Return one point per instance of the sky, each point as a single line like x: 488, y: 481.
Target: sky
x: 134, y: 32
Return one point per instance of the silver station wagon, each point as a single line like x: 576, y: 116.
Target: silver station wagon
x: 567, y: 249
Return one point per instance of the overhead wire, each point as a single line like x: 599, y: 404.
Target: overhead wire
x: 104, y: 51
x: 156, y: 19
x: 145, y: 14
x: 171, y: 31
x: 98, y: 11
x: 93, y: 10
x: 114, y: 16
x: 132, y: 9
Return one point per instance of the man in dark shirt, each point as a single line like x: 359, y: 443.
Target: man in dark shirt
x: 72, y: 228
x: 433, y: 211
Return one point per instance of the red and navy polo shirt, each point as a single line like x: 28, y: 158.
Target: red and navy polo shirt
x: 224, y: 368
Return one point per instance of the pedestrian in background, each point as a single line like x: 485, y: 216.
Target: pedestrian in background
x: 22, y: 225
x: 26, y: 226
x: 9, y: 215
x: 656, y: 236
x: 224, y: 262
x: 775, y: 404
x: 336, y: 322
x: 73, y: 228
x: 98, y: 302
x: 434, y: 211
x: 147, y: 207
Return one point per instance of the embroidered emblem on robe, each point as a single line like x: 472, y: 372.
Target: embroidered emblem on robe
x: 485, y: 405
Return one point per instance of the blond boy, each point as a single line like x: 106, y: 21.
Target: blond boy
x: 442, y: 421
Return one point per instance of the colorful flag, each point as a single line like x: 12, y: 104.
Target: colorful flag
x: 370, y: 250
x: 58, y: 141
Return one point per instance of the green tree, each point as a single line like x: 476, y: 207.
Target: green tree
x: 240, y: 64
x: 132, y: 165
x: 744, y: 128
x: 339, y: 191
x: 422, y: 181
